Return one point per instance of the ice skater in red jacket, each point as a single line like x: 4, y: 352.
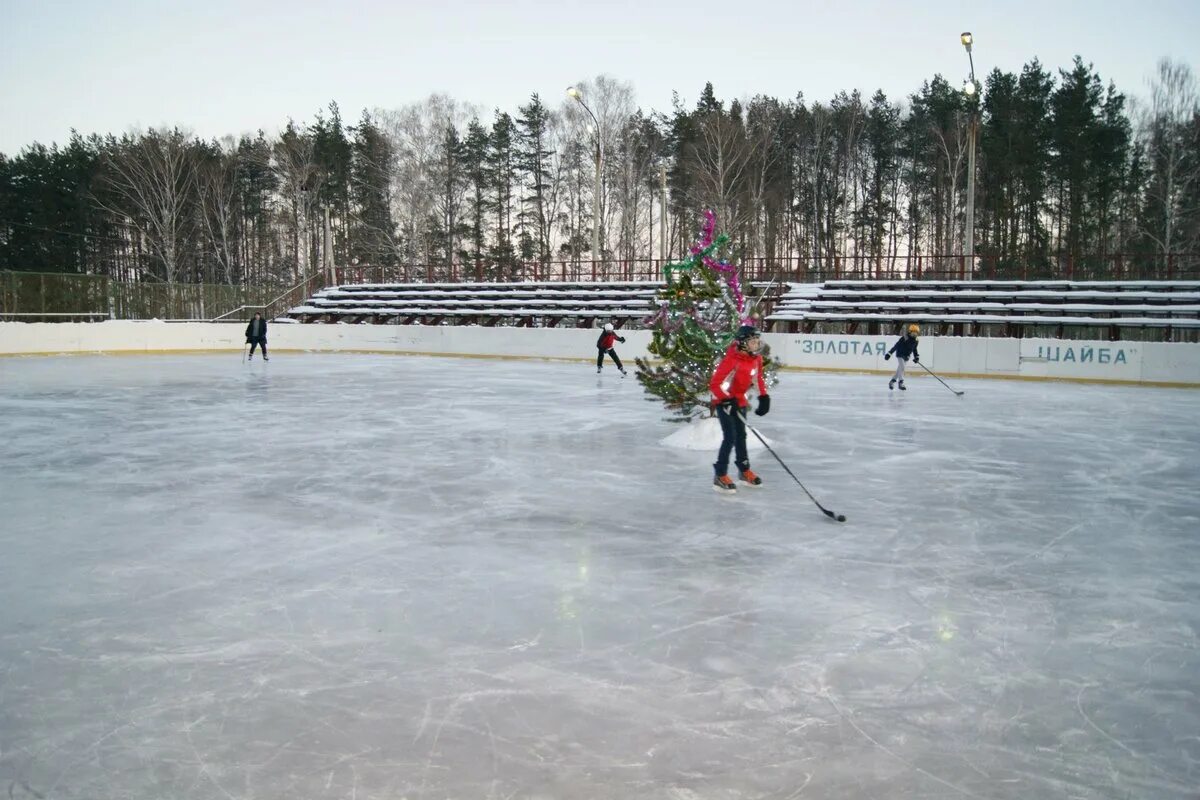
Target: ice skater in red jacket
x: 741, y: 367
x: 604, y: 345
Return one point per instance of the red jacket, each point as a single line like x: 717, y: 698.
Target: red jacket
x: 605, y: 342
x: 737, y: 370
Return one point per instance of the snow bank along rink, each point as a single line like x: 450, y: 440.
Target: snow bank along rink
x: 336, y: 576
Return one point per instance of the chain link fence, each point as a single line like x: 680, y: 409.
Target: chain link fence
x: 48, y: 296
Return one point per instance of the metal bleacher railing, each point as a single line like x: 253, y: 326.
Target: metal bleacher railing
x: 1156, y: 310
x: 57, y: 297
x: 805, y: 269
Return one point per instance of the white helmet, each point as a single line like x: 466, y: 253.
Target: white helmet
x: 608, y: 326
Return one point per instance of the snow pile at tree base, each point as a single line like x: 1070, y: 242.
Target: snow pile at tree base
x: 705, y: 434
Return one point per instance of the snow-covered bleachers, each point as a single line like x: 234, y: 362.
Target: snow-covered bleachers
x: 542, y: 304
x: 1168, y: 310
x: 996, y: 308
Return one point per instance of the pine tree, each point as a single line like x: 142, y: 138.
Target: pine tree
x: 881, y: 134
x: 372, y: 164
x: 501, y: 168
x: 333, y: 151
x: 450, y: 178
x: 257, y: 187
x: 698, y: 314
x: 533, y: 163
x: 474, y: 160
x: 1075, y: 105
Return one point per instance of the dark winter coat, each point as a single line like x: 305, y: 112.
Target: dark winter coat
x: 606, y: 340
x: 736, y: 372
x: 259, y: 335
x: 904, y: 347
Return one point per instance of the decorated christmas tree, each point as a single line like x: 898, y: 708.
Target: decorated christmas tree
x: 698, y: 313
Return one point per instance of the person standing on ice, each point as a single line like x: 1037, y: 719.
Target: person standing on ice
x: 904, y: 347
x: 604, y: 345
x: 256, y: 335
x: 741, y: 367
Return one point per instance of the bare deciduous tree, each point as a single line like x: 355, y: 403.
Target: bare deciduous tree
x: 416, y: 132
x: 1169, y: 130
x: 294, y: 162
x: 722, y: 157
x: 612, y: 101
x: 149, y: 181
x: 217, y: 190
x: 952, y: 144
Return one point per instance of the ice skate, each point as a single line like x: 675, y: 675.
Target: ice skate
x: 723, y: 483
x: 748, y: 477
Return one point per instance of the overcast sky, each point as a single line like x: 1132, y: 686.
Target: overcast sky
x: 227, y: 67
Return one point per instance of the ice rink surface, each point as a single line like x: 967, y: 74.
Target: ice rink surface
x: 341, y: 576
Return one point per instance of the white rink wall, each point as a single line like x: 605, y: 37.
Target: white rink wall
x: 1052, y: 359
x: 1048, y: 359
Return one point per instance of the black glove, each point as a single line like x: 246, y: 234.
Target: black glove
x: 621, y: 339
x: 729, y: 405
x: 887, y: 356
x: 764, y: 405
x: 916, y: 360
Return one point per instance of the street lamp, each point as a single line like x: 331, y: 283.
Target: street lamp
x: 970, y: 89
x: 578, y: 95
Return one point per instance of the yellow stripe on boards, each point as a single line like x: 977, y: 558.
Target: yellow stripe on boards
x: 998, y: 376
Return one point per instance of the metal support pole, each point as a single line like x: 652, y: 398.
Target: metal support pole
x: 596, y: 199
x: 970, y: 248
x: 578, y: 96
x: 968, y: 41
x: 662, y: 217
x: 327, y: 251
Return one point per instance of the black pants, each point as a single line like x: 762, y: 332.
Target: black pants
x: 611, y: 352
x: 733, y: 430
x: 258, y: 343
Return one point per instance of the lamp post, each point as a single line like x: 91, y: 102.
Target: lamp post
x: 971, y: 89
x: 578, y: 95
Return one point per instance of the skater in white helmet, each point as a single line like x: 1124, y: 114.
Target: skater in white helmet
x: 604, y: 345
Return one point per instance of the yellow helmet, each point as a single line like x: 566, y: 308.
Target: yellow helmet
x: 914, y: 329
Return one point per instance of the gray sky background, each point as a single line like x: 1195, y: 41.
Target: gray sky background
x: 226, y: 67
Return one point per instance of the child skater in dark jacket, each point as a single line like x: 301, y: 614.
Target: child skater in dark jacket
x: 604, y: 345
x: 904, y: 347
x: 256, y: 335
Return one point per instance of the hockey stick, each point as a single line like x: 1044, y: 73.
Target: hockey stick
x: 244, y: 352
x: 942, y: 382
x: 828, y: 513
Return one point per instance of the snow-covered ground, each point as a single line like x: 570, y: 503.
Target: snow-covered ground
x: 386, y: 577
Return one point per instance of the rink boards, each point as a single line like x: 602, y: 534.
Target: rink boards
x: 1152, y: 363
